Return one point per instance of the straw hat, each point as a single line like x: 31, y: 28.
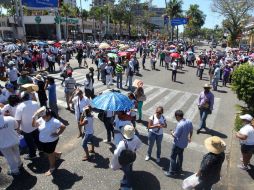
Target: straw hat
x: 24, y: 72
x: 215, y: 145
x: 40, y: 112
x: 30, y: 87
x: 207, y: 86
x: 128, y: 132
x: 38, y: 77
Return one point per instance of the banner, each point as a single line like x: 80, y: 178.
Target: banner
x: 40, y: 4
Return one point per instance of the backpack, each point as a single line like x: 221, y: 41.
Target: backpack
x: 127, y: 156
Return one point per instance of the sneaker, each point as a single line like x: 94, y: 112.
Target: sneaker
x: 168, y: 174
x: 243, y: 167
x: 158, y: 160
x: 106, y: 141
x: 147, y: 158
x: 29, y: 157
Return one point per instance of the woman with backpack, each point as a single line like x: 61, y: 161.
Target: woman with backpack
x: 156, y: 124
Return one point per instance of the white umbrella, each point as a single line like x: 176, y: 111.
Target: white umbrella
x: 104, y: 46
x: 50, y: 42
x: 62, y: 41
x: 70, y: 42
x: 79, y: 42
x: 11, y: 47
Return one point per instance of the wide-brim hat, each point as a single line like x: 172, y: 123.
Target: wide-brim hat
x: 30, y: 87
x: 24, y: 73
x: 207, y: 85
x: 215, y: 144
x: 128, y: 132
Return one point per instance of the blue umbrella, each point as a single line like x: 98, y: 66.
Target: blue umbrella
x: 112, y: 101
x: 42, y: 43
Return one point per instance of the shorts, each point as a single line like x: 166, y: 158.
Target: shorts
x: 245, y: 149
x: 48, y: 147
x: 87, y: 138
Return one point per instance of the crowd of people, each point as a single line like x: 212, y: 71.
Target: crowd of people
x: 29, y: 104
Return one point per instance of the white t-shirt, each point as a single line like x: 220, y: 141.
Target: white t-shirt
x: 10, y: 109
x: 174, y: 66
x: 89, y: 126
x: 119, y: 125
x: 247, y: 130
x: 79, y: 105
x: 8, y: 135
x: 47, y: 129
x: 13, y: 74
x: 133, y: 144
x: 156, y: 121
x: 88, y: 85
x: 24, y: 113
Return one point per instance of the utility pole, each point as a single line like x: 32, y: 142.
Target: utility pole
x: 22, y: 19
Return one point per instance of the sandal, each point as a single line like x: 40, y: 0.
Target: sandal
x: 85, y: 158
x: 49, y: 173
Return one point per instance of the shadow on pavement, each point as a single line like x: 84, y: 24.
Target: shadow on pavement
x: 164, y: 163
x: 179, y: 82
x: 143, y: 138
x: 65, y: 122
x: 97, y: 141
x: 145, y: 180
x: 65, y: 179
x: 39, y: 165
x: 222, y: 91
x: 24, y: 181
x: 214, y: 133
x: 251, y: 171
x: 100, y: 161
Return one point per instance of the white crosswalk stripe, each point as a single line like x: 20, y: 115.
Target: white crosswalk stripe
x: 156, y: 96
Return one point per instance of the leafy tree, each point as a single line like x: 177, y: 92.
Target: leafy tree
x: 174, y: 10
x: 117, y: 16
x: 196, y: 21
x: 66, y: 10
x: 236, y: 14
x: 243, y: 84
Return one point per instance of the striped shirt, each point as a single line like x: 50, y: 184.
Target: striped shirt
x: 119, y: 68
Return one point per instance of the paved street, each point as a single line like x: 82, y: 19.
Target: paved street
x: 72, y: 173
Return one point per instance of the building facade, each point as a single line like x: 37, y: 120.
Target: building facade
x: 99, y: 3
x: 73, y: 3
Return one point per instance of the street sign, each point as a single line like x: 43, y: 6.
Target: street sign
x: 40, y: 4
x: 37, y: 19
x: 179, y: 21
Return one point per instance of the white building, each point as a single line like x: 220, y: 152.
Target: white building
x: 71, y: 2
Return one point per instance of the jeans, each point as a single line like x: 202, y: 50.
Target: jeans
x: 176, y: 159
x: 129, y: 80
x: 152, y: 137
x: 109, y: 127
x: 174, y: 75
x: 197, y: 72
x: 12, y: 156
x: 127, y: 176
x: 32, y: 141
x: 119, y: 80
x: 140, y: 105
x: 87, y: 138
x: 225, y: 80
x: 215, y: 83
x: 203, y: 115
x: 161, y: 62
x: 103, y: 76
x: 201, y: 73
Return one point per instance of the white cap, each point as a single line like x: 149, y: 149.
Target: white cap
x: 247, y: 117
x: 129, y: 132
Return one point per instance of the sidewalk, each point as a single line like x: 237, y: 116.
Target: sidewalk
x: 237, y: 178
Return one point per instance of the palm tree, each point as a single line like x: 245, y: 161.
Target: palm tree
x: 174, y: 10
x: 66, y: 11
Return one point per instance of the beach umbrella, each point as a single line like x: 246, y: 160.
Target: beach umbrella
x: 123, y: 53
x: 69, y: 43
x: 50, y: 42
x: 79, y: 42
x: 104, y: 46
x: 112, y: 55
x: 175, y: 55
x: 62, y: 41
x: 112, y: 101
x: 11, y: 47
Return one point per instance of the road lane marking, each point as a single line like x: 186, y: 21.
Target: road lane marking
x: 153, y: 95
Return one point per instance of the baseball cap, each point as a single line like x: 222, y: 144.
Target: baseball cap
x: 247, y: 117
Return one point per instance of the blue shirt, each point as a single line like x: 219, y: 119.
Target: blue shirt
x: 182, y: 131
x: 52, y: 93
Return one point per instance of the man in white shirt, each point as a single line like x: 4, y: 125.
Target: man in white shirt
x: 130, y: 142
x: 9, y: 143
x: 24, y: 113
x: 174, y: 70
x: 12, y: 73
x: 80, y: 101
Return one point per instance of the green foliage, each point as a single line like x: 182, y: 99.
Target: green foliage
x: 196, y: 21
x: 243, y: 84
x: 238, y: 123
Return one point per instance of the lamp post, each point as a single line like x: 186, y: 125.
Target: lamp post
x: 74, y: 32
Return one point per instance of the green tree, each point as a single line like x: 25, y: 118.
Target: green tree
x: 243, y: 84
x: 236, y: 14
x: 66, y: 10
x: 117, y: 17
x: 196, y: 21
x: 174, y: 10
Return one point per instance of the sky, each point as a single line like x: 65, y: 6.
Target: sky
x: 212, y: 18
